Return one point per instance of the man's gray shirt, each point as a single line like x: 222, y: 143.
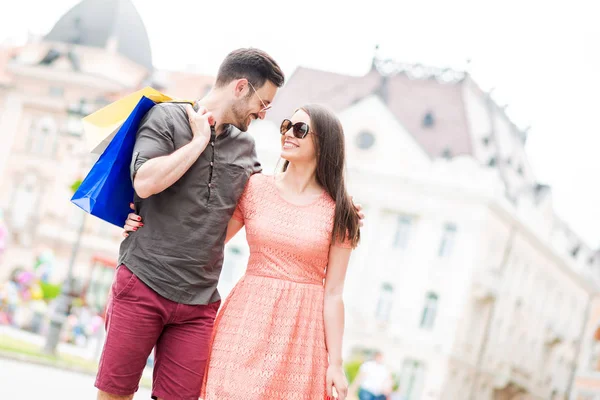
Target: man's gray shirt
x: 179, y: 250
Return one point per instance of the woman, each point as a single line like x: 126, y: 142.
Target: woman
x: 279, y: 332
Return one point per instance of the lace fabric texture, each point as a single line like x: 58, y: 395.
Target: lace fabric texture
x: 269, y: 338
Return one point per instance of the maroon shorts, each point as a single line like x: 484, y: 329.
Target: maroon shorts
x: 137, y: 320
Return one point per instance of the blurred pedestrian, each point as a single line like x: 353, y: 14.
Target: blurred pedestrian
x: 374, y: 379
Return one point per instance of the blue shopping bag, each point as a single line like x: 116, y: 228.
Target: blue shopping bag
x: 107, y: 190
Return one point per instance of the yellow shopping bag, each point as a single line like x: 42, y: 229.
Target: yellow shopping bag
x: 107, y: 190
x: 101, y: 126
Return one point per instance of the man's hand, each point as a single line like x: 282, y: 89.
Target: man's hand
x: 361, y: 215
x: 200, y: 122
x: 161, y: 172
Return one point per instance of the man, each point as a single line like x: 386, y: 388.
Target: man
x: 374, y: 380
x: 164, y: 295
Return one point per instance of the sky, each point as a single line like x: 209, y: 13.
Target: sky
x: 541, y: 58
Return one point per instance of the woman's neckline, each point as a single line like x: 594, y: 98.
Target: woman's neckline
x: 281, y: 196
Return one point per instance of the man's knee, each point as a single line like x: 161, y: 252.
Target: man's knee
x: 107, y: 396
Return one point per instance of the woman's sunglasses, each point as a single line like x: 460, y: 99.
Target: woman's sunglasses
x: 300, y: 129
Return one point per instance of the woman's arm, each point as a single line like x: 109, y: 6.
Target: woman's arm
x: 233, y: 227
x: 333, y: 313
x: 134, y: 222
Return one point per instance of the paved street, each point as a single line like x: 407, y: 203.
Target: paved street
x: 24, y: 381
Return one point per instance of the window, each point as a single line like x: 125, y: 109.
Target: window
x: 384, y: 305
x: 365, y: 140
x: 402, y: 236
x: 428, y: 120
x: 42, y: 136
x: 429, y: 311
x: 51, y: 56
x: 447, y: 242
x: 75, y: 114
x: 74, y: 125
x: 572, y: 312
x: 560, y: 316
x: 41, y: 140
x: 56, y: 91
x: 411, y: 379
x: 24, y: 202
x: 101, y: 101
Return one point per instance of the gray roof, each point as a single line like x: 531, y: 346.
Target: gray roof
x: 410, y: 100
x: 93, y: 22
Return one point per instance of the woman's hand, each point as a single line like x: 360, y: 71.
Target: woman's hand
x: 133, y: 222
x: 336, y: 378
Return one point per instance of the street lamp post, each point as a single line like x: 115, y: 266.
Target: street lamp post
x: 65, y: 299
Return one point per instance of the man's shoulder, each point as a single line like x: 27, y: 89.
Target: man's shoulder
x: 173, y: 110
x: 161, y: 109
x: 164, y: 113
x: 171, y: 105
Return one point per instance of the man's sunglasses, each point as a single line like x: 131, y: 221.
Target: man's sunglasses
x: 300, y: 129
x: 265, y: 106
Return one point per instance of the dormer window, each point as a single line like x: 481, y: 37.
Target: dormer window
x: 428, y: 120
x: 365, y: 140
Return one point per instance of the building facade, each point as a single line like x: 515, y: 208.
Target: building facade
x: 46, y: 87
x: 587, y: 380
x: 465, y: 277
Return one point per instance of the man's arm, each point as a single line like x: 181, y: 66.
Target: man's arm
x: 159, y: 173
x: 156, y: 166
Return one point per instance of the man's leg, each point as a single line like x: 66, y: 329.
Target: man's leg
x: 182, y: 351
x: 107, y: 396
x: 134, y: 321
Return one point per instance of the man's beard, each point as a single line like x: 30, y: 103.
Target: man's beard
x: 240, y: 115
x: 239, y: 112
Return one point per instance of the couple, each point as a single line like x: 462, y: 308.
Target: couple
x: 197, y: 182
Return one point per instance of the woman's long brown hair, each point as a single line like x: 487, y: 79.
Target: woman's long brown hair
x: 328, y: 137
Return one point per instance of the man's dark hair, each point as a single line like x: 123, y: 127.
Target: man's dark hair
x: 252, y: 64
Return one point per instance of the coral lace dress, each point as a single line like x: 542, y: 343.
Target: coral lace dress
x: 269, y: 338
